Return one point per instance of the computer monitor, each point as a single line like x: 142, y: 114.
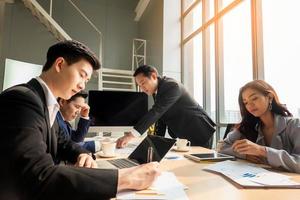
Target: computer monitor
x: 116, y: 111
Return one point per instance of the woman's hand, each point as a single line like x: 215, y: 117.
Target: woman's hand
x: 249, y: 148
x: 254, y: 159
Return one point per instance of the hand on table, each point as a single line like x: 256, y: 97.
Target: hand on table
x: 139, y: 177
x: 123, y: 141
x: 85, y: 160
x: 247, y: 147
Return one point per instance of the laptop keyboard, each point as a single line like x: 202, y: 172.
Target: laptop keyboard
x: 122, y: 163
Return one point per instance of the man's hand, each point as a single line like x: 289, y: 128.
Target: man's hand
x: 139, y: 177
x: 85, y: 160
x: 123, y: 141
x: 249, y: 148
x: 85, y: 110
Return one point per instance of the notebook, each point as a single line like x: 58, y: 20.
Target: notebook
x: 159, y: 145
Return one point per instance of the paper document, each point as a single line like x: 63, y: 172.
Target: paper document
x: 95, y: 138
x: 249, y: 175
x: 173, y: 156
x: 166, y: 186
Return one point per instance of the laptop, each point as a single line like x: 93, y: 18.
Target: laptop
x: 158, y: 145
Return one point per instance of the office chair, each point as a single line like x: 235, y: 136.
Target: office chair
x: 229, y: 128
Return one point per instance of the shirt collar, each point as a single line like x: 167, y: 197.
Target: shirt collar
x: 60, y: 115
x: 159, y: 79
x: 50, y: 98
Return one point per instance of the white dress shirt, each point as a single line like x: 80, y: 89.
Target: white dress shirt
x: 51, y: 102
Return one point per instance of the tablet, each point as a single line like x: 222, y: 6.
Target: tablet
x: 209, y: 156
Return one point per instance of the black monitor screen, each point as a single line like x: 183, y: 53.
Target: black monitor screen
x: 116, y: 108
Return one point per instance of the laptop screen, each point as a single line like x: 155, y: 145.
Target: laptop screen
x: 160, y: 146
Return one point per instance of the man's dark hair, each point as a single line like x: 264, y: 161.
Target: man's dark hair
x: 146, y: 70
x: 72, y: 51
x: 82, y: 94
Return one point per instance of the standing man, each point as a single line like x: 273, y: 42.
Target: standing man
x: 31, y: 141
x: 69, y: 110
x: 173, y: 108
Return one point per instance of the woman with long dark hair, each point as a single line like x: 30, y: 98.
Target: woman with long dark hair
x: 267, y: 133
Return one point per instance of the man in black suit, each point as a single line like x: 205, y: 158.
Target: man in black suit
x: 173, y: 108
x: 31, y: 141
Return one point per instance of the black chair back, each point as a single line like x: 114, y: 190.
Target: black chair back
x: 229, y: 128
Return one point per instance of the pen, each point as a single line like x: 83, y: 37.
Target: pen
x: 148, y: 192
x: 150, y: 154
x: 172, y: 157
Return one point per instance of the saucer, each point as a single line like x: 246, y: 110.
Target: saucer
x: 186, y: 149
x: 102, y: 155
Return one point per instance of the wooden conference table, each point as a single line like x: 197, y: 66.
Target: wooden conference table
x: 206, y: 185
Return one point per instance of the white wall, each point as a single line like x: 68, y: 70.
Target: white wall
x: 150, y: 28
x: 171, y: 39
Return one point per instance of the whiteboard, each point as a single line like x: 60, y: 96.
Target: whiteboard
x: 17, y: 72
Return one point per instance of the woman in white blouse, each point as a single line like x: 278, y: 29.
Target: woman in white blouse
x: 267, y: 132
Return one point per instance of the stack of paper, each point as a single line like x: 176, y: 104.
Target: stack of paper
x: 166, y: 186
x: 248, y: 175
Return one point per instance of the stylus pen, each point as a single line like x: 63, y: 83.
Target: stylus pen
x: 150, y: 154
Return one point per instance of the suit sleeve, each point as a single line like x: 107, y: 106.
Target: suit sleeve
x: 68, y: 150
x: 228, y: 142
x: 168, y: 95
x: 25, y: 152
x: 82, y: 129
x: 281, y: 157
x: 90, y: 146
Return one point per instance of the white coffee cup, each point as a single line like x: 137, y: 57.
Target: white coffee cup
x: 182, y: 144
x: 108, y: 148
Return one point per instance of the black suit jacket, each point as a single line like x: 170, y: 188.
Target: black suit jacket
x: 175, y: 108
x: 29, y: 147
